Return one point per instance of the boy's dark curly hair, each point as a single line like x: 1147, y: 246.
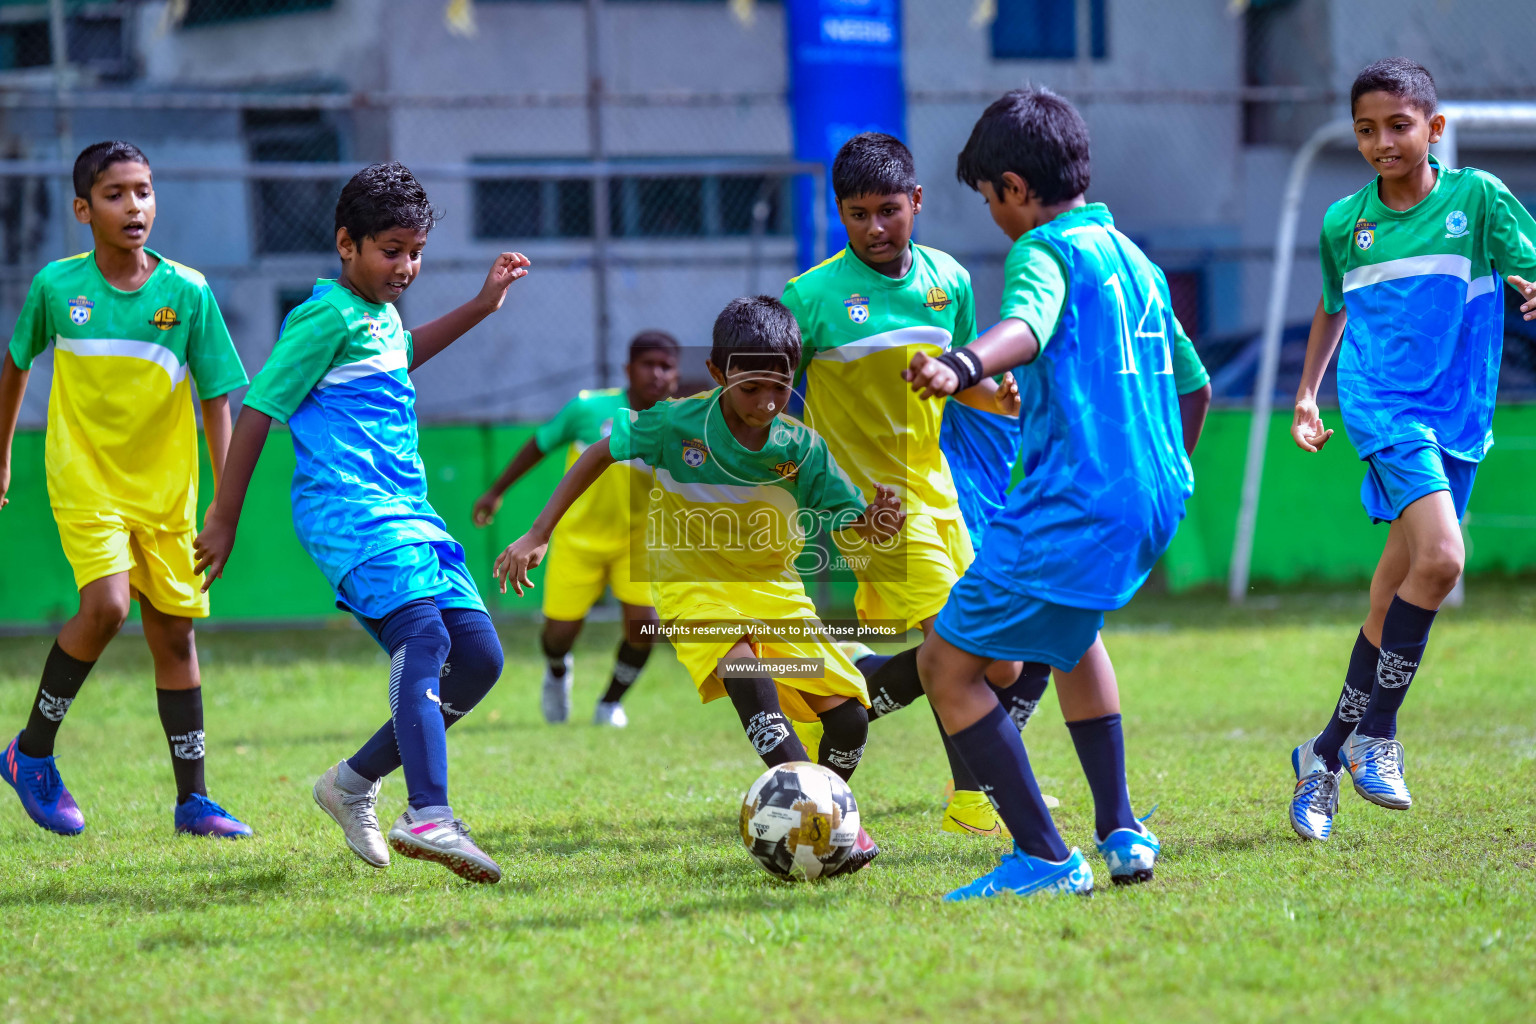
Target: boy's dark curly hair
x: 383, y: 196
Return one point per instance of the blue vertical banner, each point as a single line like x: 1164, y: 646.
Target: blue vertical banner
x: 844, y: 78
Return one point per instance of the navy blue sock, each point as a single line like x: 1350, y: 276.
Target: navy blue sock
x: 1022, y: 697
x: 1404, y: 634
x: 994, y: 750
x: 417, y: 642
x: 1358, y: 683
x: 473, y: 666
x: 1100, y: 744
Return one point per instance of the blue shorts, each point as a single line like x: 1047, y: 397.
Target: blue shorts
x: 408, y: 573
x: 1399, y: 475
x: 994, y: 623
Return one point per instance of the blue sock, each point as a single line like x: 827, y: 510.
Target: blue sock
x: 1100, y: 744
x: 473, y: 666
x: 994, y: 750
x: 417, y: 642
x: 1358, y: 682
x: 1404, y: 634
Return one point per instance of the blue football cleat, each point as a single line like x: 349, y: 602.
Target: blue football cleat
x: 200, y: 816
x: 1376, y: 766
x: 1316, y: 799
x: 1021, y: 874
x: 1129, y: 854
x: 41, y: 791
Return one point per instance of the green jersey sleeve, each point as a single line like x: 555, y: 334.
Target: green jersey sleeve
x: 640, y: 435
x: 797, y: 305
x: 32, y: 327
x: 965, y: 312
x: 1034, y: 288
x: 559, y: 431
x: 309, y: 343
x: 1333, y: 277
x: 1511, y: 233
x: 822, y: 484
x: 211, y: 355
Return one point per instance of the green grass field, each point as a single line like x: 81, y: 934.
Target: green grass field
x: 627, y: 895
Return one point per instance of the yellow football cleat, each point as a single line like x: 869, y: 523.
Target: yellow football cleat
x: 971, y: 813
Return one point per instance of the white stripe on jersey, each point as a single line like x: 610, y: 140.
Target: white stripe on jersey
x: 384, y: 362
x: 128, y: 348
x: 876, y: 343
x: 1482, y: 286
x: 1444, y: 264
x: 729, y: 494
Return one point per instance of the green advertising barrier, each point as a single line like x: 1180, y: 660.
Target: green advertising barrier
x: 1310, y: 526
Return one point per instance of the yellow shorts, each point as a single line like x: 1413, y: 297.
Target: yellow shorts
x: 910, y: 579
x: 574, y: 578
x: 717, y: 602
x: 158, y: 562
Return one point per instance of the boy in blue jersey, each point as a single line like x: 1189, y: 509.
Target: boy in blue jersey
x: 1409, y: 285
x: 1104, y: 436
x: 338, y: 376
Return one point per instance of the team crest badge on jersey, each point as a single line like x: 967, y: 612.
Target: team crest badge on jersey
x: 858, y: 308
x: 694, y: 452
x: 788, y: 470
x: 164, y: 318
x: 377, y: 325
x: 1365, y: 234
x: 80, y: 310
x: 937, y: 300
x: 1456, y: 224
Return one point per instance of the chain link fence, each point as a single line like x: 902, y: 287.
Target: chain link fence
x: 647, y: 198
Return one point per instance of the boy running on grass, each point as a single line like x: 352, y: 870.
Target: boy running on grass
x: 737, y: 487
x: 1409, y: 265
x: 863, y: 314
x: 128, y: 328
x: 592, y: 546
x: 1090, y: 335
x: 339, y: 377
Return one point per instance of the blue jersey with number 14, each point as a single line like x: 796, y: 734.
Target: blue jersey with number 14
x: 1106, y: 476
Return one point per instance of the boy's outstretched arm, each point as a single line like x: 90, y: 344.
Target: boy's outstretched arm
x: 1011, y: 343
x: 217, y: 539
x: 1307, y: 426
x: 216, y: 428
x: 435, y: 335
x: 528, y: 550
x: 993, y: 396
x: 1192, y: 410
x: 13, y: 385
x: 486, y: 505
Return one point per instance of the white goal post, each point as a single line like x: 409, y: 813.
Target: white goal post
x: 1459, y: 117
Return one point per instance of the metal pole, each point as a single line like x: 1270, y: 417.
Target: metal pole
x: 58, y: 45
x: 600, y: 181
x: 1269, y: 357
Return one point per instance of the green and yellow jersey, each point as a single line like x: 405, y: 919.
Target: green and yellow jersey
x: 602, y: 519
x: 122, y: 434
x: 727, y: 524
x: 860, y: 329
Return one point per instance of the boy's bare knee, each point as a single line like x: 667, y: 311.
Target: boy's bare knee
x: 1439, y: 566
x: 104, y: 615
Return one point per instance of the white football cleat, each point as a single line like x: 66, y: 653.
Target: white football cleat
x: 610, y: 713
x: 555, y: 698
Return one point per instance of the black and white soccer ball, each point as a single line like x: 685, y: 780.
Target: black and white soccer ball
x: 799, y: 821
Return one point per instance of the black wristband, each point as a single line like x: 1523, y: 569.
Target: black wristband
x: 967, y: 366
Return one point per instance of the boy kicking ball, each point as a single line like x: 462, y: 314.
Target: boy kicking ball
x: 736, y: 482
x: 1410, y: 286
x: 339, y: 376
x: 128, y: 327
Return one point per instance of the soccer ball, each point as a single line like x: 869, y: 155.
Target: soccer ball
x: 799, y: 821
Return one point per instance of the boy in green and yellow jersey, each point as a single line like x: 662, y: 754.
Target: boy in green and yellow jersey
x: 863, y: 315
x: 737, y: 488
x: 592, y: 546
x: 128, y: 328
